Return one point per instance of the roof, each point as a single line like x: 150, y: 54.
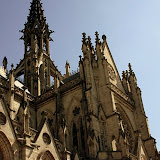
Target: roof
x: 72, y: 77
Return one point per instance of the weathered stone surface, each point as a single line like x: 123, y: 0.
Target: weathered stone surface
x: 87, y: 114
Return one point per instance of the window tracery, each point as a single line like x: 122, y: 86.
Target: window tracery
x: 75, y: 138
x: 103, y: 135
x: 126, y: 134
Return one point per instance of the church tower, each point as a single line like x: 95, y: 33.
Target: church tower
x: 37, y: 66
x: 90, y: 114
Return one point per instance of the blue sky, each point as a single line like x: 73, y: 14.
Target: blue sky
x: 132, y: 29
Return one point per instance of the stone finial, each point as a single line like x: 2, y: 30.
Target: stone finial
x: 126, y: 73
x: 67, y: 69
x: 67, y: 63
x: 89, y: 40
x: 104, y: 38
x: 123, y: 75
x: 80, y: 58
x: 84, y: 37
x: 97, y: 37
x: 44, y: 113
x: 12, y: 67
x: 5, y: 62
x: 130, y: 68
x: 90, y: 43
x: 96, y: 33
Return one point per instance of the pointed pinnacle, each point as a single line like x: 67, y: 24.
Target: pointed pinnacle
x: 126, y: 74
x: 130, y: 68
x: 80, y: 57
x: 12, y: 66
x: 89, y: 40
x: 96, y: 33
x: 89, y: 43
x: 123, y: 74
x: 67, y: 62
x: 104, y: 38
x: 97, y: 37
x: 35, y: 12
x: 84, y: 37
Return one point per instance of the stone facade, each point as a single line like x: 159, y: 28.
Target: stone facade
x: 91, y: 114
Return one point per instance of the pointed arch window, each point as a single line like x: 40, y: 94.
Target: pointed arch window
x: 75, y: 138
x: 82, y: 135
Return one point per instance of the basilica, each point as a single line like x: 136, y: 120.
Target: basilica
x: 92, y: 114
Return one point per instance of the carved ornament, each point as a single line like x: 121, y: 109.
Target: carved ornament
x: 111, y: 72
x: 76, y: 111
x: 46, y: 138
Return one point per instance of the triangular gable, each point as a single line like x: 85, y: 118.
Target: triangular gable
x: 108, y: 56
x: 46, y: 142
x: 7, y: 127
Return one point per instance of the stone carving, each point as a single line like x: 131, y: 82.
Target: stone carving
x: 126, y: 134
x: 76, y: 111
x: 5, y: 62
x: 111, y: 72
x: 46, y: 138
x: 18, y: 129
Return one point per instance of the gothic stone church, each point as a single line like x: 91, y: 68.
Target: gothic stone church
x: 91, y: 114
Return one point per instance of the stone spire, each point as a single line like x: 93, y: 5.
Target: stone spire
x: 67, y: 66
x: 36, y: 34
x: 84, y: 39
x: 5, y: 62
x: 97, y: 40
x: 37, y: 67
x: 36, y: 13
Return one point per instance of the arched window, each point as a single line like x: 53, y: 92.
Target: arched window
x: 75, y: 138
x: 127, y: 129
x: 6, y: 151
x: 45, y: 156
x: 51, y: 81
x: 82, y: 135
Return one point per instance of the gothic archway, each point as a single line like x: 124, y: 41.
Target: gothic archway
x: 1, y: 154
x: 75, y: 137
x: 6, y: 152
x: 127, y: 128
x: 45, y: 156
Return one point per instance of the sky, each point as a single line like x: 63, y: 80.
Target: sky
x: 133, y: 35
